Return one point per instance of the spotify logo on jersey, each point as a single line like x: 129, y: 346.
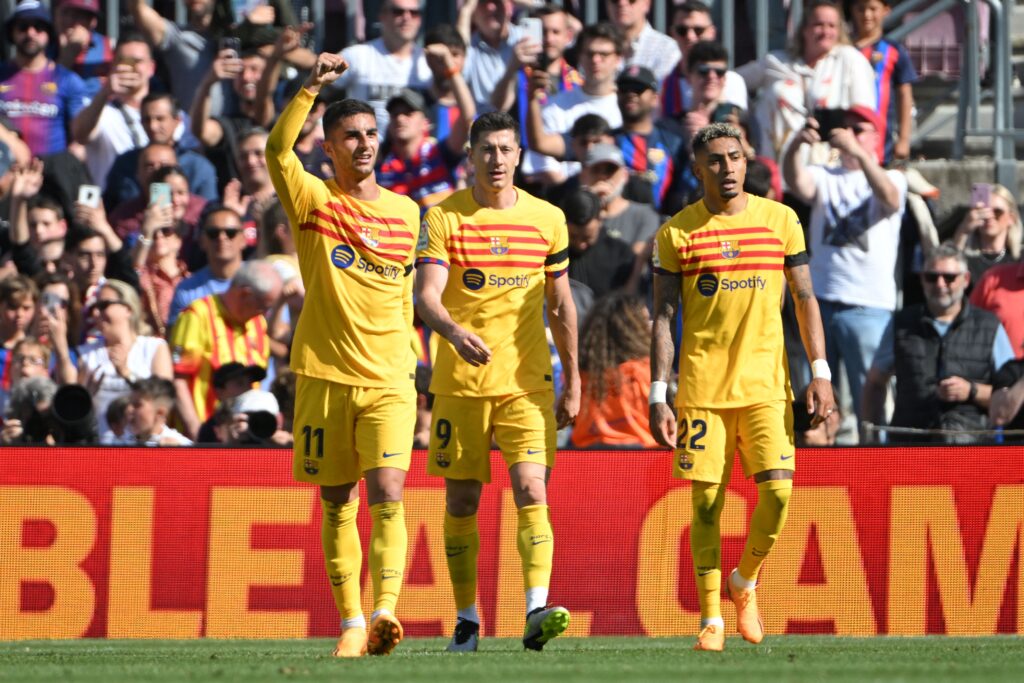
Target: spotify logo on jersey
x: 473, y: 279
x: 343, y: 256
x: 707, y: 284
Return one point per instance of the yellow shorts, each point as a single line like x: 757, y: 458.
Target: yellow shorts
x: 523, y: 426
x: 708, y: 438
x: 342, y: 431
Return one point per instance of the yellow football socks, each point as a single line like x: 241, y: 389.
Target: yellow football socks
x: 706, y: 546
x: 388, y: 546
x: 343, y: 555
x: 461, y: 547
x: 536, y: 544
x: 765, y: 524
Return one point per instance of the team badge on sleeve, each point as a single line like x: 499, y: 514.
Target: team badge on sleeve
x: 421, y: 243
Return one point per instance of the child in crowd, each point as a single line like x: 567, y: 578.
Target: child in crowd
x: 152, y: 400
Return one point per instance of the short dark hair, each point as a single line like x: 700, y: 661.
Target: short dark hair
x: 604, y: 30
x: 45, y: 201
x: 164, y: 172
x: 215, y: 207
x: 691, y: 6
x: 133, y: 36
x: 547, y: 9
x: 445, y: 34
x: 581, y: 207
x: 344, y: 109
x: 156, y: 389
x: 83, y: 234
x: 490, y: 122
x: 157, y: 96
x: 711, y: 132
x: 14, y: 289
x: 590, y: 125
x: 758, y: 180
x: 706, y: 51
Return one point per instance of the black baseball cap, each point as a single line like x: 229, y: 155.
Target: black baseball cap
x: 236, y: 370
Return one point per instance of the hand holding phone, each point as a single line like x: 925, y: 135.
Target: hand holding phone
x: 89, y: 195
x: 231, y: 43
x: 533, y: 29
x: 828, y: 120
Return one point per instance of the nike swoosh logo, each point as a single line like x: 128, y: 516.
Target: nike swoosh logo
x: 455, y: 554
x: 533, y: 451
x: 705, y: 573
x: 544, y: 541
x: 391, y: 455
x: 785, y: 457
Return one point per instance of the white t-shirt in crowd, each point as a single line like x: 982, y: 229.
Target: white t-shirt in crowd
x: 165, y: 437
x: 118, y: 130
x: 734, y: 91
x: 853, y: 244
x: 654, y: 50
x: 94, y: 358
x: 374, y: 76
x: 485, y: 65
x: 559, y: 115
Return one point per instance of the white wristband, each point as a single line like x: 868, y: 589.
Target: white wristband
x: 659, y: 392
x: 819, y: 370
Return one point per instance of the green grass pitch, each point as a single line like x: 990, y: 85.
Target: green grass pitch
x: 634, y: 660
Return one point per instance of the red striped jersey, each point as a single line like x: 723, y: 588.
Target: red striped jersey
x: 732, y: 280
x: 497, y: 263
x: 427, y: 177
x: 356, y: 262
x: 203, y: 340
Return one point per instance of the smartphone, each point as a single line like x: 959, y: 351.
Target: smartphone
x: 230, y: 43
x: 533, y: 29
x: 51, y: 302
x: 828, y: 120
x: 159, y: 194
x: 981, y: 193
x: 89, y: 195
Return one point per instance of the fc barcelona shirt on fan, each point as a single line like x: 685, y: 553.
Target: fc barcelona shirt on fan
x: 732, y: 271
x: 41, y: 104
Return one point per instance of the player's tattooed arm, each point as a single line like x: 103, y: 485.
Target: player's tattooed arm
x: 820, y: 401
x: 666, y: 306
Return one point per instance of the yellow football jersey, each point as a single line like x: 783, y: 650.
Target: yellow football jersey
x: 497, y: 261
x: 356, y: 262
x: 732, y: 270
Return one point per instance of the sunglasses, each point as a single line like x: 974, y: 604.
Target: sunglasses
x: 39, y: 26
x: 706, y: 69
x: 214, y: 233
x: 167, y: 232
x: 682, y: 29
x: 397, y: 12
x: 998, y: 213
x: 931, y: 278
x: 103, y: 304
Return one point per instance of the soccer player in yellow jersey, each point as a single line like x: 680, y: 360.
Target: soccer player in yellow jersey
x: 489, y: 258
x: 725, y: 260
x: 355, y: 403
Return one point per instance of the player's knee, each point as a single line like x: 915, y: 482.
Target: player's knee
x: 530, y: 491
x: 339, y: 495
x: 462, y: 498
x: 775, y: 494
x: 707, y: 503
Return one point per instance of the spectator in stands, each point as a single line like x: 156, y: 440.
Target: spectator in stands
x: 822, y: 68
x: 706, y: 66
x: 380, y: 68
x: 615, y: 369
x: 596, y: 260
x: 219, y: 328
x: 605, y: 174
x: 691, y: 23
x: 187, y: 50
x: 185, y: 212
x: 58, y: 323
x: 222, y: 135
x: 157, y: 259
x: 412, y: 162
x: 126, y: 351
x: 26, y: 419
x: 253, y: 419
x: 486, y: 27
x: 150, y: 406
x: 162, y: 122
x: 512, y: 92
x: 252, y: 192
x: 111, y: 124
x: 37, y: 225
x: 740, y: 119
x: 229, y: 381
x: 1001, y: 291
x: 93, y: 221
x: 854, y: 235
x: 895, y: 76
x: 42, y: 115
x: 645, y: 46
x: 450, y: 107
x: 277, y: 246
x: 990, y: 235
x: 601, y: 48
x: 27, y: 358
x: 19, y: 297
x: 945, y: 354
x: 222, y: 240
x: 82, y: 48
x: 1007, y: 399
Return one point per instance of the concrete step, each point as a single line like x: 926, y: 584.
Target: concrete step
x: 955, y: 177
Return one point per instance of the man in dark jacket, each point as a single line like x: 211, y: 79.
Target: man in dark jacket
x: 944, y: 353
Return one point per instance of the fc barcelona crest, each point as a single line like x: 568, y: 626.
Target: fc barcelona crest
x: 728, y: 251
x: 499, y: 246
x: 370, y: 236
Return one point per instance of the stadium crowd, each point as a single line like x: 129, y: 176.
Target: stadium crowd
x: 148, y: 275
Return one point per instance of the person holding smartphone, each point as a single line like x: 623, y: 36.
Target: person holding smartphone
x: 990, y: 232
